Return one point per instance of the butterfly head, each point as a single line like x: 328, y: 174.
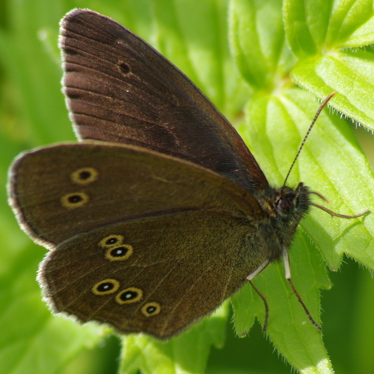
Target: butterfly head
x: 292, y: 202
x: 283, y: 209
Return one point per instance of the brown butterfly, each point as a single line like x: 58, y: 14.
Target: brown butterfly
x: 162, y: 212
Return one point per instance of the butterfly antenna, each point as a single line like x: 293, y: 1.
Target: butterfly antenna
x: 324, y: 103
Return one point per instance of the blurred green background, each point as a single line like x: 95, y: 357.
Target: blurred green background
x: 33, y: 113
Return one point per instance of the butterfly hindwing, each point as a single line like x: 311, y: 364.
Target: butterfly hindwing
x: 139, y: 276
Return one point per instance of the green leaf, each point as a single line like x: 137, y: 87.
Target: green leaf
x: 289, y: 328
x: 351, y: 24
x: 318, y: 45
x: 326, y: 166
x: 260, y: 51
x: 31, y: 338
x: 201, y: 51
x: 306, y: 24
x: 186, y: 353
x: 347, y: 73
x: 28, y: 59
x: 331, y: 163
x: 322, y: 35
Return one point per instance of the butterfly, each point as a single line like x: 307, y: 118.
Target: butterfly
x: 161, y: 212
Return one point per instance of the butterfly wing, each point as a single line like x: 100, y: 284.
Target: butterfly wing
x: 141, y: 241
x: 139, y: 276
x: 75, y: 188
x: 119, y: 89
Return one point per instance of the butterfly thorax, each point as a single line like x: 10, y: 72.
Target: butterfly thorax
x: 283, y: 209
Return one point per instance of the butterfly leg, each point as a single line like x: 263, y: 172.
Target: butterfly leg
x: 287, y: 271
x: 258, y: 270
x: 263, y: 297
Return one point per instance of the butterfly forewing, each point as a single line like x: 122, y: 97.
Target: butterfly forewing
x: 79, y: 187
x: 119, y: 89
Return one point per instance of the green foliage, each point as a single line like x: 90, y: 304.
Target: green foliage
x: 283, y: 55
